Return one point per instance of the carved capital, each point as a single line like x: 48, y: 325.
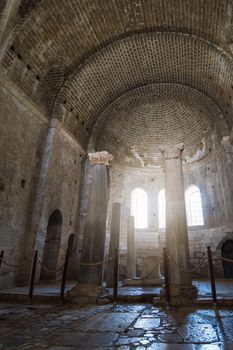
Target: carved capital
x: 98, y: 158
x: 172, y: 152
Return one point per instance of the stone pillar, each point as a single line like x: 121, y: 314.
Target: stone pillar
x: 114, y: 242
x: 227, y: 175
x: 176, y: 226
x: 131, y: 254
x: 90, y: 275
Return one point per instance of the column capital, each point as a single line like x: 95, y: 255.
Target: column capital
x: 98, y: 158
x: 172, y: 152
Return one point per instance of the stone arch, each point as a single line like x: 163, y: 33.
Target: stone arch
x: 52, y: 245
x: 50, y: 85
x: 228, y: 236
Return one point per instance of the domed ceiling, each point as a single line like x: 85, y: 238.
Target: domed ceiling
x: 134, y: 126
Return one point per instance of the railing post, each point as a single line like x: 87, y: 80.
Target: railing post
x: 33, y: 274
x: 115, y: 281
x: 211, y: 274
x: 64, y: 276
x: 1, y: 257
x: 166, y: 278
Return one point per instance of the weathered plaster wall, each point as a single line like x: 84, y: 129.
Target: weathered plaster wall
x: 23, y: 135
x: 212, y: 176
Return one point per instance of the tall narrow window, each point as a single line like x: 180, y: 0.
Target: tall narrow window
x: 193, y: 206
x: 161, y: 209
x: 139, y: 208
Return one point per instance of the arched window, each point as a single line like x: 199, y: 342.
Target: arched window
x: 193, y: 206
x: 161, y: 209
x: 139, y: 208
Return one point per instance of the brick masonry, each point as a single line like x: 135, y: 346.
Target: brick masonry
x: 121, y: 57
x: 123, y: 76
x: 22, y: 140
x: 135, y: 125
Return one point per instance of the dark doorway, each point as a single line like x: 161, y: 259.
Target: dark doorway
x: 71, y: 242
x: 52, y: 246
x: 72, y: 245
x: 227, y: 252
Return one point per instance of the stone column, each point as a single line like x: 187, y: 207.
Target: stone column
x: 131, y: 254
x: 227, y: 175
x: 176, y: 226
x: 90, y: 275
x: 114, y: 242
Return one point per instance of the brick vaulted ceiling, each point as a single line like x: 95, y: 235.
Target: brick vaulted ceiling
x: 79, y: 57
x: 134, y: 140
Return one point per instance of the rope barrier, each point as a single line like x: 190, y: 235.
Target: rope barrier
x: 47, y: 270
x: 92, y: 264
x: 98, y: 263
x: 4, y: 273
x: 188, y: 270
x: 146, y: 276
x: 14, y: 266
x: 217, y: 257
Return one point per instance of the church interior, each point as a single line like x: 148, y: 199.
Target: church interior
x: 116, y: 174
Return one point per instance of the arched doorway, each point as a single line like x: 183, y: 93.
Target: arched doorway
x: 227, y: 252
x: 52, y: 245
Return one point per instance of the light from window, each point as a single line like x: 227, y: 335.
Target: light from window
x: 193, y: 206
x: 139, y: 207
x: 161, y: 209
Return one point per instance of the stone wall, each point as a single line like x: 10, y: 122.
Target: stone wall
x: 23, y: 133
x: 62, y: 190
x: 212, y: 176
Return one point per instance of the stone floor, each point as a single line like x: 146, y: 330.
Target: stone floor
x: 47, y: 289
x: 224, y: 289
x: 124, y: 327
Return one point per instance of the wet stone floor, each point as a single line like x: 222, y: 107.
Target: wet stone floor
x: 123, y: 327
